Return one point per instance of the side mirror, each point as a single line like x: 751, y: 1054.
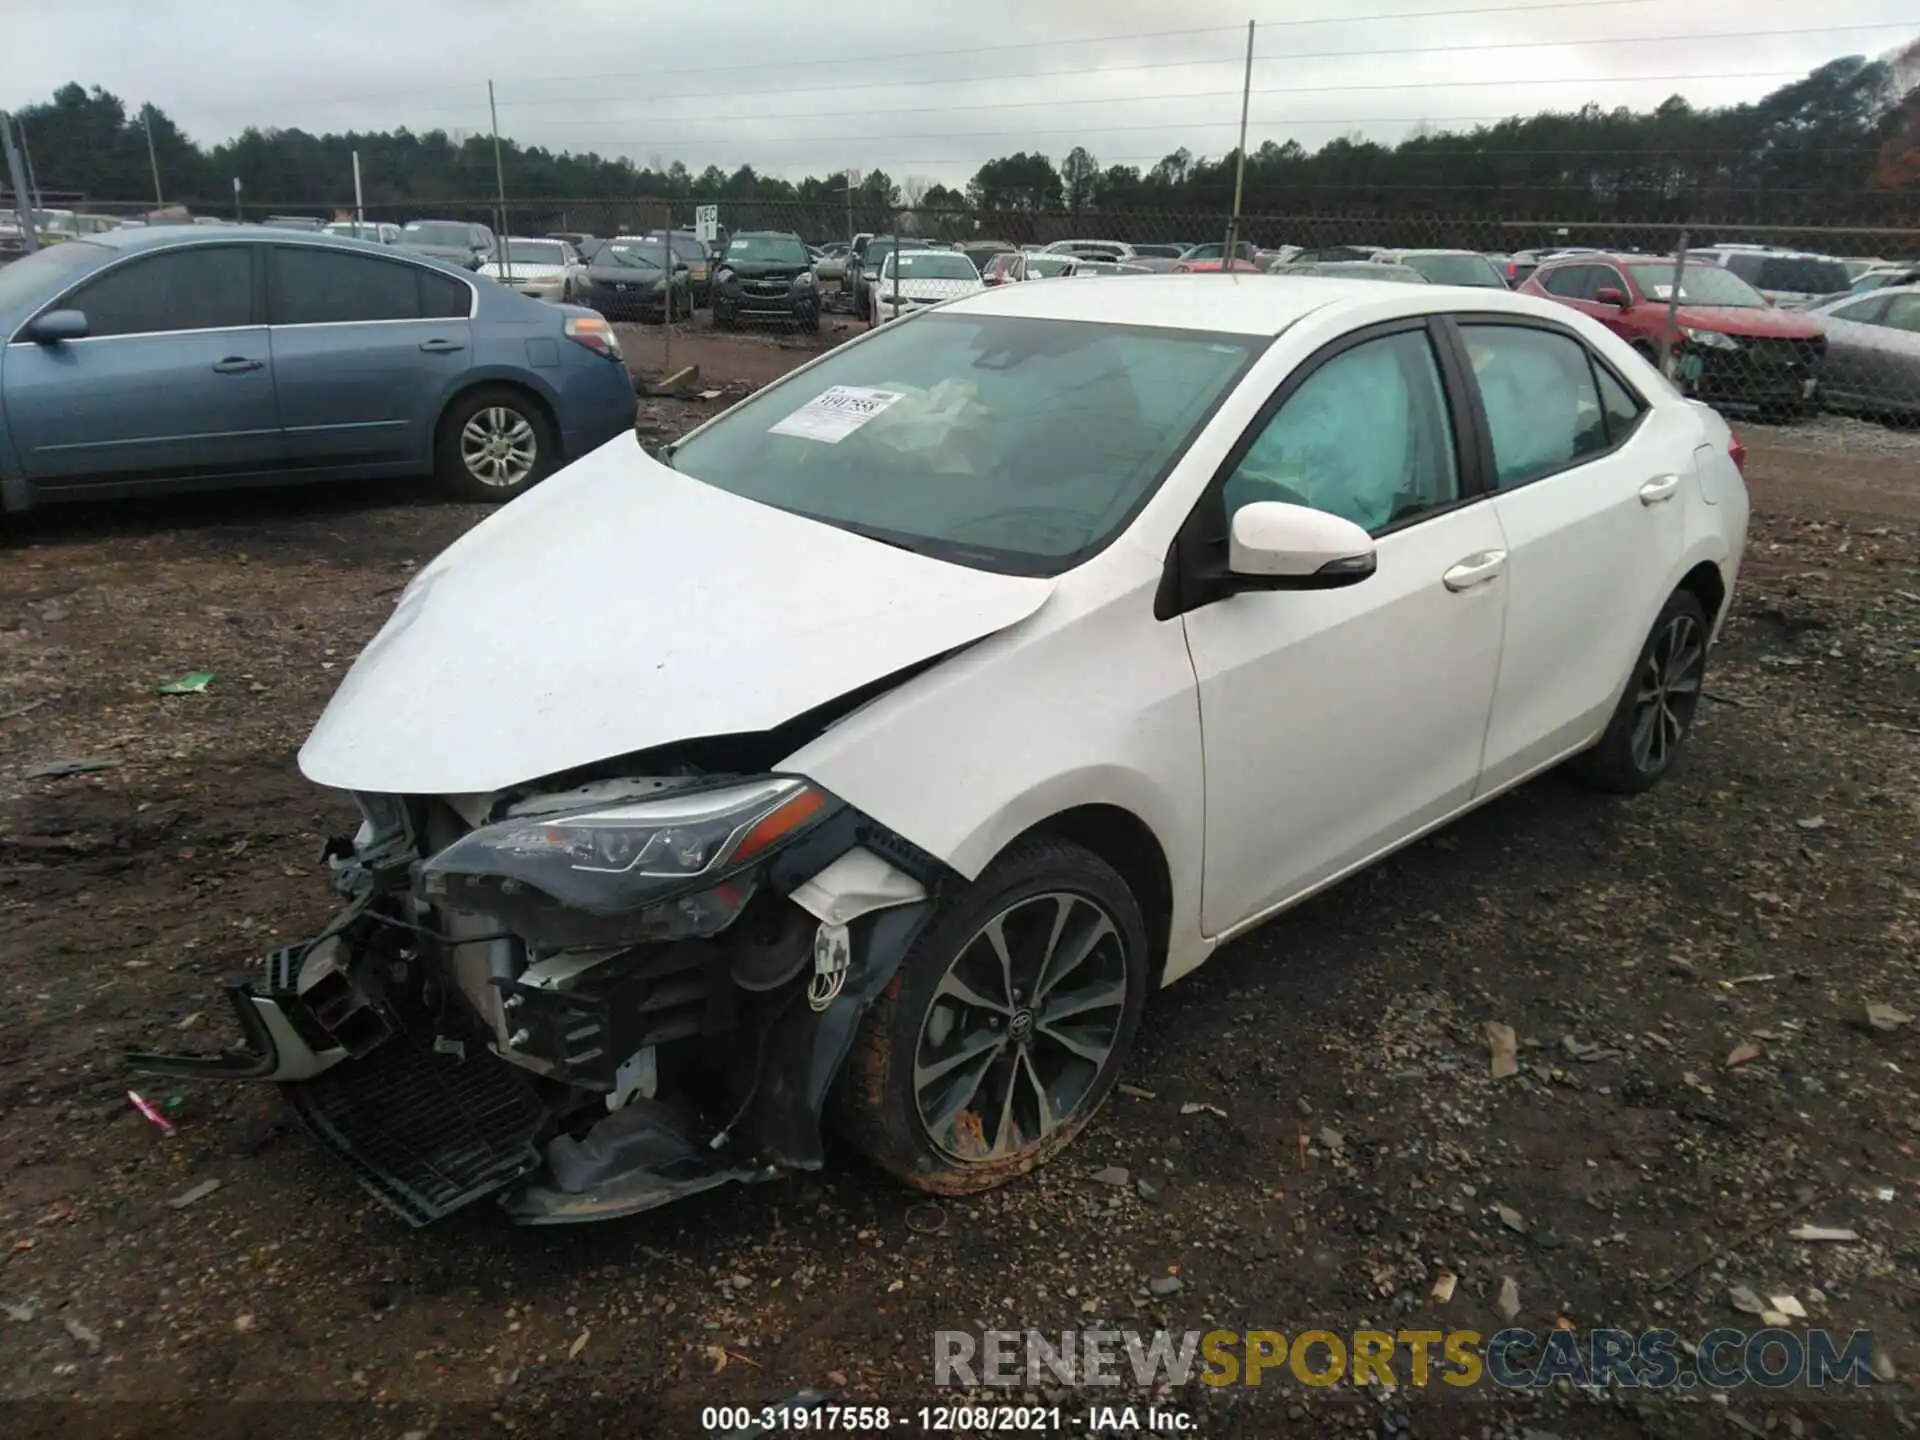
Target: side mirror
x: 1610, y: 295
x: 58, y: 325
x: 1277, y: 546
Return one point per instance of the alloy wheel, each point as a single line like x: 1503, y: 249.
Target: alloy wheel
x: 499, y: 448
x: 1668, y: 690
x: 1020, y: 1027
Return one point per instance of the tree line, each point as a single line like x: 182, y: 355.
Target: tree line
x: 1841, y: 145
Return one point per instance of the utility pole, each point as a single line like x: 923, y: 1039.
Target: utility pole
x: 359, y: 201
x: 153, y: 156
x: 500, y: 183
x: 22, y: 200
x: 26, y: 154
x: 1240, y: 166
x: 1667, y: 362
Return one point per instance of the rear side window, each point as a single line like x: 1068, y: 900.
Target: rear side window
x: 1622, y: 406
x: 1543, y: 406
x: 441, y: 296
x: 198, y: 287
x: 330, y: 287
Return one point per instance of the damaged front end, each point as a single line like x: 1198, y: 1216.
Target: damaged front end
x: 588, y: 1000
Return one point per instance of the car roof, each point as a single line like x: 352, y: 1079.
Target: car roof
x: 1232, y: 302
x: 1435, y: 250
x: 167, y: 237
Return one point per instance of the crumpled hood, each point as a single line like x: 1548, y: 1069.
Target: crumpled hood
x: 620, y: 606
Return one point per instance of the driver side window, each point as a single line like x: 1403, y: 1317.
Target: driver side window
x: 1366, y: 437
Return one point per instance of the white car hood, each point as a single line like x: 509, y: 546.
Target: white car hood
x: 621, y: 606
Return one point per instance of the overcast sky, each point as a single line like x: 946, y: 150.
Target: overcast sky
x: 808, y: 87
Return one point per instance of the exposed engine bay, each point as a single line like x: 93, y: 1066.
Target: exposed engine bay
x: 587, y: 997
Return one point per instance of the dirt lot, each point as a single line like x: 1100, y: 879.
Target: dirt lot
x: 1353, y: 1144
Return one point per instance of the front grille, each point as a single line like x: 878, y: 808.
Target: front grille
x: 426, y: 1133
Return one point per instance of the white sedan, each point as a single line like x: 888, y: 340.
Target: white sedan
x: 874, y: 752
x: 911, y: 280
x: 545, y: 269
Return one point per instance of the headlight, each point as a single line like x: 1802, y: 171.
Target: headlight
x: 803, y: 279
x: 691, y: 848
x: 723, y: 274
x: 1709, y: 339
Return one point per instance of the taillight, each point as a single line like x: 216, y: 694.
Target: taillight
x: 1738, y: 454
x: 595, y: 333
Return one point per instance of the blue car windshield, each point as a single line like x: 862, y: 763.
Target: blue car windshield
x: 1000, y: 442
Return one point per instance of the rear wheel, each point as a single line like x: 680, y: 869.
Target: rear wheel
x: 494, y: 443
x: 1648, y: 732
x: 1006, y: 1026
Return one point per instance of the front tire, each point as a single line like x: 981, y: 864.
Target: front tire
x: 494, y: 443
x: 1645, y: 738
x: 1006, y: 1026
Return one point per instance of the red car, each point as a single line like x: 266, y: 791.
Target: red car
x: 1214, y: 267
x: 1733, y: 348
x: 1001, y: 269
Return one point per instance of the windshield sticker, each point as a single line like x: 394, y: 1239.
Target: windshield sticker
x: 835, y: 413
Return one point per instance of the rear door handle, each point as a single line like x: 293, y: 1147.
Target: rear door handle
x: 1475, y: 570
x: 237, y: 365
x: 1659, y: 489
x: 441, y: 347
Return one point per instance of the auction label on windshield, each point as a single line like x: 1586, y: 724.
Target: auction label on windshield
x: 836, y: 413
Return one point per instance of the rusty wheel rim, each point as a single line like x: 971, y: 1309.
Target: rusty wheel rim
x: 1020, y: 1028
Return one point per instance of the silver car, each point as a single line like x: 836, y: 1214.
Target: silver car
x: 1873, y: 351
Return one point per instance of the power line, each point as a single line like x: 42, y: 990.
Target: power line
x: 1114, y: 39
x: 1295, y: 57
x: 1450, y: 12
x: 1205, y: 95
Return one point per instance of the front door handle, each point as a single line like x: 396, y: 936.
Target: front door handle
x: 1659, y: 489
x: 237, y: 365
x: 1475, y: 570
x: 441, y: 347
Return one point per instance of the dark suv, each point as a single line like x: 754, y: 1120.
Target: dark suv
x: 766, y: 273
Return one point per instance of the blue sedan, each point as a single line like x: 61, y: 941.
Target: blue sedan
x: 182, y: 357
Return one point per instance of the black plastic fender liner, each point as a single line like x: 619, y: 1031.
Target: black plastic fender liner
x: 805, y: 1051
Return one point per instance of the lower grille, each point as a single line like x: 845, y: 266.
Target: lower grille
x: 425, y: 1133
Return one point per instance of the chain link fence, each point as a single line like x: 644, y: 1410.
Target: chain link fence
x: 1783, y: 319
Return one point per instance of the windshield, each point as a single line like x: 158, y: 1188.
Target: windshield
x: 634, y: 254
x: 931, y: 265
x: 1001, y: 442
x: 437, y: 232
x: 533, y: 252
x: 1794, y: 274
x: 1045, y: 265
x: 1699, y: 285
x: 1456, y: 270
x: 767, y: 250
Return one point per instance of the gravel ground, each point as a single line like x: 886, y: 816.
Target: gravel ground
x: 1310, y: 1134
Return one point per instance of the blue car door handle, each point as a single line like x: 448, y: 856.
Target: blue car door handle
x: 237, y: 365
x: 441, y: 347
